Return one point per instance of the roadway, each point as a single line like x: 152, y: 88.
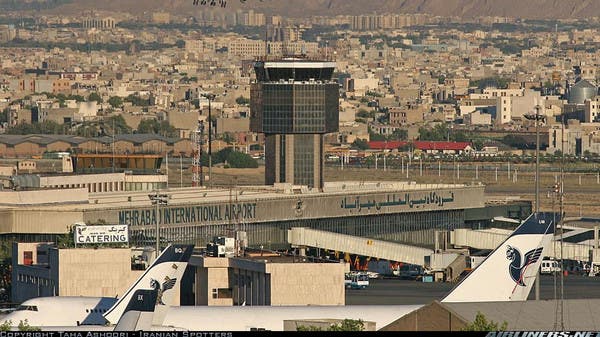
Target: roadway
x: 398, y: 292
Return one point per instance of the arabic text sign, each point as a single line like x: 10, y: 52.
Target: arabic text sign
x: 101, y: 234
x: 428, y: 198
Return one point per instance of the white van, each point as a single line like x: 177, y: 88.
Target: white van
x: 549, y: 267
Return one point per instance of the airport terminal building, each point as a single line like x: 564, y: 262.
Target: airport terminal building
x: 402, y: 212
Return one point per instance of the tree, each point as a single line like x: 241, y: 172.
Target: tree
x: 66, y: 240
x: 115, y: 101
x: 496, y: 82
x: 515, y: 141
x: 228, y: 138
x: 441, y: 132
x: 95, y: 97
x: 137, y: 100
x: 360, y: 144
x: 304, y: 328
x: 167, y: 130
x: 117, y: 124
x: 242, y: 100
x: 47, y: 127
x: 77, y: 98
x: 345, y: 325
x: 4, y: 116
x: 362, y: 113
x: 348, y: 325
x: 24, y: 326
x: 6, y: 326
x: 481, y: 324
x: 241, y: 160
x: 155, y: 127
x: 148, y: 126
x: 399, y: 134
x: 437, y: 133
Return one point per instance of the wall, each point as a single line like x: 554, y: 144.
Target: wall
x: 95, y: 272
x: 307, y: 283
x: 38, y: 221
x: 212, y: 274
x: 72, y: 272
x: 263, y: 282
x: 432, y: 317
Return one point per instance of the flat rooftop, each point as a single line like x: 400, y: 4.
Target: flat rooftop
x: 241, y: 194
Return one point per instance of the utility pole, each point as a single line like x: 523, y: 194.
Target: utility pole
x: 537, y: 185
x: 537, y: 117
x: 180, y: 169
x: 562, y: 221
x: 210, y: 98
x: 158, y: 199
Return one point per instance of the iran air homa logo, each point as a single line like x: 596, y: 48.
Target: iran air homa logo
x: 516, y: 269
x: 166, y: 285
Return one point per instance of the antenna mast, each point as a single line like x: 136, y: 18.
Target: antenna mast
x: 197, y: 140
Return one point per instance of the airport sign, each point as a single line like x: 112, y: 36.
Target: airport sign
x: 101, y: 234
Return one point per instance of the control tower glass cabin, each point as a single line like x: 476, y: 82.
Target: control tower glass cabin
x: 294, y: 102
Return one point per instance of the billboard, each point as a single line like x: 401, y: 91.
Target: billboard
x: 101, y: 234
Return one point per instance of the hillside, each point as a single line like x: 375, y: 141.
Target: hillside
x: 539, y: 9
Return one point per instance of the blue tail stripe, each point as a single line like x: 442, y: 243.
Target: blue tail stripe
x: 543, y: 223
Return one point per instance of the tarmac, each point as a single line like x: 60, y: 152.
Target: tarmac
x: 399, y: 292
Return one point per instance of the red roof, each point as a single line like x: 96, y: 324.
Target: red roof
x: 386, y: 145
x: 430, y: 145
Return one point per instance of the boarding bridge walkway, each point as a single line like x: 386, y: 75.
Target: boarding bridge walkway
x: 492, y: 238
x: 301, y: 236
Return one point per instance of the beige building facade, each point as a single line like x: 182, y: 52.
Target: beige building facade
x: 268, y: 280
x: 40, y: 269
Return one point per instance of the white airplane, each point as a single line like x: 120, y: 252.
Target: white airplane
x: 162, y: 275
x: 507, y: 274
x: 138, y: 315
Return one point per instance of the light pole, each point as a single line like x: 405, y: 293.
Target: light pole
x: 209, y: 97
x: 537, y: 117
x: 158, y: 199
x: 200, y: 150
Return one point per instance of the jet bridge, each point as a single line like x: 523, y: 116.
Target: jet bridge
x: 492, y: 238
x: 301, y: 236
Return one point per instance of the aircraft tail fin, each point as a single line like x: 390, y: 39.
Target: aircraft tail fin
x: 139, y: 312
x: 508, y: 273
x: 163, y: 275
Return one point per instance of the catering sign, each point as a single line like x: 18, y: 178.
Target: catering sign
x: 101, y: 234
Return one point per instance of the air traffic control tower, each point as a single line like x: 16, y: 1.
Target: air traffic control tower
x: 294, y: 102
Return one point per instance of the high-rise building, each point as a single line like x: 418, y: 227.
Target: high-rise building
x: 294, y: 102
